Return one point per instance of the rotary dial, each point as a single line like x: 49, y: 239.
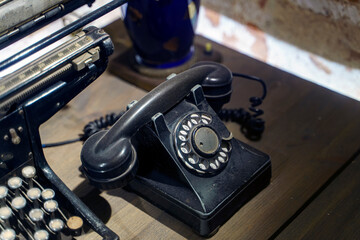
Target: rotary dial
x: 199, y: 146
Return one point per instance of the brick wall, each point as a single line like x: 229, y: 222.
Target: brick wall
x: 330, y: 28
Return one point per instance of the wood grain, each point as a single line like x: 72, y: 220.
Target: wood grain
x: 334, y: 214
x: 311, y: 132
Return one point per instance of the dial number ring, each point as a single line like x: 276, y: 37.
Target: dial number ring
x: 194, y: 157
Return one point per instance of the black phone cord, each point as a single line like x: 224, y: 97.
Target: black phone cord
x: 90, y: 129
x: 101, y: 123
x: 251, y: 125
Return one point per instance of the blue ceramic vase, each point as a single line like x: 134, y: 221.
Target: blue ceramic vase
x: 162, y: 31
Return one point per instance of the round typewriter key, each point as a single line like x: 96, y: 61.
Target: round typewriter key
x: 19, y: 204
x: 47, y: 194
x: 8, y: 234
x: 15, y: 183
x: 5, y: 215
x: 3, y: 191
x: 56, y: 225
x: 75, y: 225
x: 34, y: 195
x: 36, y: 215
x: 41, y: 235
x: 5, y: 212
x: 51, y: 206
x: 29, y: 173
x: 3, y: 194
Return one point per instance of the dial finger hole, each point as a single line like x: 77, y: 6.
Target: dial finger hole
x: 222, y: 159
x: 193, y: 121
x: 193, y: 159
x: 225, y: 146
x: 217, y: 163
x: 182, y: 138
x: 204, y: 164
x: 185, y: 127
x: 183, y: 132
x: 189, y: 124
x: 214, y: 164
x: 185, y: 148
x: 206, y: 117
x: 205, y: 121
x: 222, y: 154
x: 194, y: 115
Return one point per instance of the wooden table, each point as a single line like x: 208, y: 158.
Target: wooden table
x: 312, y: 136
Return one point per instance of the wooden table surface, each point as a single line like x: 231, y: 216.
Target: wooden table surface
x: 312, y: 136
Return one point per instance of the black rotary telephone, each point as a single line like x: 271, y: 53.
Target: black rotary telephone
x: 172, y: 149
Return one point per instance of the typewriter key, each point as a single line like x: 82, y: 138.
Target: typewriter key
x: 75, y: 225
x: 41, y: 235
x: 29, y: 173
x: 3, y: 194
x: 51, y: 206
x: 34, y: 195
x: 8, y: 234
x: 47, y: 194
x: 5, y: 215
x: 19, y: 203
x: 37, y: 216
x: 57, y: 225
x: 15, y: 183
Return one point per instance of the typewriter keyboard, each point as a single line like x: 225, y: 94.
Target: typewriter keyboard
x: 30, y: 209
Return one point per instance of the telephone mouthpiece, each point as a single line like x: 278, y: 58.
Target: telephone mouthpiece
x: 118, y: 169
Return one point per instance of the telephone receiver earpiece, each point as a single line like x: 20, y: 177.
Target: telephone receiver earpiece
x: 217, y: 87
x: 109, y: 160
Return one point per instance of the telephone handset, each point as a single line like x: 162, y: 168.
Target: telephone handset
x: 172, y: 149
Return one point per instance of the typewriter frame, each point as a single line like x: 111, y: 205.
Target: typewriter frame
x: 30, y: 25
x: 26, y: 121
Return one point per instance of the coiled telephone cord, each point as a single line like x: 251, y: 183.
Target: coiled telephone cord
x: 251, y: 125
x: 99, y: 124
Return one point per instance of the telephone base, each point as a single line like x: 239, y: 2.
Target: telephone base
x: 164, y: 191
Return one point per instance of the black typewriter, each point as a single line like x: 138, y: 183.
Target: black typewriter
x: 34, y: 202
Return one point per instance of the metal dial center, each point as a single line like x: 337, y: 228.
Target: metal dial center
x: 206, y: 141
